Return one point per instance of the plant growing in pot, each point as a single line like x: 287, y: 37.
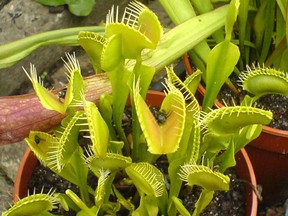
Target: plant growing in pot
x: 194, y: 156
x: 260, y: 36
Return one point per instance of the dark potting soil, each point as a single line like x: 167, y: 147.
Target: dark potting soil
x: 229, y: 203
x: 43, y: 179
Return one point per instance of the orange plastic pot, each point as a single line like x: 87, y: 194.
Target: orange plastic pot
x: 244, y: 168
x: 268, y: 154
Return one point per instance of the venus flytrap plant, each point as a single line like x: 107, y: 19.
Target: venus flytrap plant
x: 110, y: 157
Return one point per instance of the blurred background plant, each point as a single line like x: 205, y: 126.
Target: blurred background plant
x: 78, y: 7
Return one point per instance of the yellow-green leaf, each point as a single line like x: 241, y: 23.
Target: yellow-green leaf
x: 147, y: 178
x: 47, y: 98
x: 93, y: 44
x: 203, y: 176
x: 99, y: 131
x: 173, y: 107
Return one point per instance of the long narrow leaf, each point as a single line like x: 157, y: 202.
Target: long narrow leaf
x: 221, y: 62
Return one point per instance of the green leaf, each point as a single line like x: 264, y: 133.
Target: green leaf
x: 65, y: 145
x: 85, y: 210
x: 175, y: 181
x: 193, y: 148
x: 93, y: 44
x: 99, y: 131
x: 246, y: 135
x: 148, y: 207
x: 111, y: 55
x: 66, y: 203
x: 231, y: 18
x: 190, y: 141
x: 259, y: 24
x: 192, y: 82
x: 221, y: 62
x: 228, y: 158
x: 75, y: 86
x: 282, y: 6
x: 145, y: 75
x: 244, y: 29
x: 180, y: 207
x: 133, y: 41
x: 80, y: 7
x: 269, y: 30
x: 205, y: 198
x: 100, y: 192
x: 47, y: 98
x: 14, y: 51
x: 105, y: 108
x: 120, y: 91
x: 190, y: 100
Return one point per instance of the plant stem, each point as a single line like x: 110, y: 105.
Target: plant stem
x: 79, y: 203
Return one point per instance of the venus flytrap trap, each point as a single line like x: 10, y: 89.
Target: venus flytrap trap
x: 198, y: 148
x: 34, y: 204
x: 50, y: 100
x: 156, y: 135
x: 261, y: 81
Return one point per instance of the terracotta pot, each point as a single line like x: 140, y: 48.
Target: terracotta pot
x: 244, y: 169
x: 268, y: 154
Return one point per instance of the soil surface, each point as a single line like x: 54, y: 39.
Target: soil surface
x: 231, y: 202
